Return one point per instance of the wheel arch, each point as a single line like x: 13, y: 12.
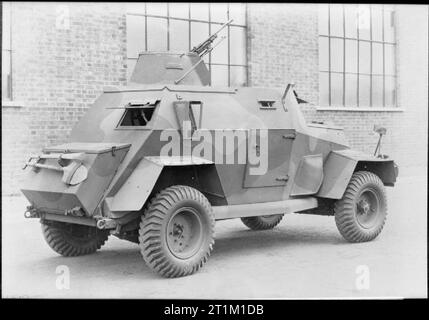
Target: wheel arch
x: 153, y: 174
x: 340, y: 166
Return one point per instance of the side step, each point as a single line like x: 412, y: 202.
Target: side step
x: 264, y: 208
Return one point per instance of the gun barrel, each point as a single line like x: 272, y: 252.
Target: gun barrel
x: 206, y: 43
x: 223, y: 26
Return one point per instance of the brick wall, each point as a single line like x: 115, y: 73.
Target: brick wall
x: 57, y: 75
x: 283, y: 47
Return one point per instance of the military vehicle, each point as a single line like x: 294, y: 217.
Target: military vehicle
x: 113, y: 178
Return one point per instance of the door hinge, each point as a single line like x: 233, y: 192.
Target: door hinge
x: 291, y: 136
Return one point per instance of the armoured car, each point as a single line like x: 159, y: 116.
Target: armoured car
x: 158, y: 161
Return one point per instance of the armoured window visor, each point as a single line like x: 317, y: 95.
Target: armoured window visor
x: 188, y: 111
x: 138, y: 113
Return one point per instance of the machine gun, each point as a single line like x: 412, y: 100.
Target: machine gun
x: 205, y: 47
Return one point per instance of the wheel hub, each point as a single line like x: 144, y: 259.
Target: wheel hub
x: 367, y: 208
x: 184, y: 233
x: 364, y: 206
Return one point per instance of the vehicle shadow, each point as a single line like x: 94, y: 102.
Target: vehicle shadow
x: 127, y: 261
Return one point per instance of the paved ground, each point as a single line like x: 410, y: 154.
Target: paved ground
x: 302, y: 258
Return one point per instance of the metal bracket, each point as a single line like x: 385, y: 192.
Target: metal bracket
x: 291, y: 136
x: 106, y: 223
x: 284, y: 178
x: 75, y: 212
x: 31, y: 212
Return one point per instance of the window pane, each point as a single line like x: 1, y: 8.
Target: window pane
x: 336, y: 20
x: 219, y: 12
x: 323, y: 19
x: 5, y: 74
x: 336, y: 89
x: 238, y: 76
x: 135, y: 8
x: 337, y: 54
x: 159, y: 9
x: 237, y: 45
x: 324, y: 89
x: 6, y: 26
x: 351, y: 56
x: 131, y: 63
x: 364, y: 57
x: 351, y: 90
x: 200, y: 11
x: 179, y: 35
x: 199, y: 33
x: 156, y: 34
x: 364, y: 22
x: 179, y: 10
x: 220, y: 53
x: 377, y: 91
x: 389, y: 59
x: 237, y: 11
x: 389, y: 32
x: 135, y: 35
x: 390, y: 92
x: 364, y: 90
x: 377, y: 23
x: 351, y: 16
x: 323, y: 53
x: 377, y: 58
x: 219, y: 75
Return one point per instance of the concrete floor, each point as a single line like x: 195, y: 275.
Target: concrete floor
x: 304, y: 257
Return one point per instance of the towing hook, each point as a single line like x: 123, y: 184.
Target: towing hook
x: 101, y: 224
x: 30, y: 212
x: 106, y: 223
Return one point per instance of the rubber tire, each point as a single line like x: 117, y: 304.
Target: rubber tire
x: 69, y: 245
x: 345, y: 208
x: 153, y: 231
x: 261, y: 222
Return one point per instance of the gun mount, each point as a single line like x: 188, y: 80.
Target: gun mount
x: 173, y: 68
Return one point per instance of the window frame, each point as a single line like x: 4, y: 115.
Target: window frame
x: 149, y: 124
x: 191, y: 20
x: 7, y: 9
x: 358, y: 74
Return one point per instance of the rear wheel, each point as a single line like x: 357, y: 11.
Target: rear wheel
x: 72, y: 240
x: 361, y: 213
x: 177, y: 232
x: 262, y: 222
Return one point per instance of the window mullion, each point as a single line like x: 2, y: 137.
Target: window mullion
x: 344, y: 57
x: 370, y: 57
x: 358, y: 57
x: 329, y: 54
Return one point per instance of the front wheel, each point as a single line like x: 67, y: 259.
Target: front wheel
x: 177, y: 232
x: 361, y: 213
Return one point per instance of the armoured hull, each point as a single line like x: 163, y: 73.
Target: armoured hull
x: 226, y: 116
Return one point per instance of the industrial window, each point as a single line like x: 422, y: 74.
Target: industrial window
x: 357, y: 56
x: 6, y: 53
x: 182, y: 26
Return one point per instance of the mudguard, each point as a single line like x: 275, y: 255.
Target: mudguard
x: 340, y: 165
x: 138, y: 187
